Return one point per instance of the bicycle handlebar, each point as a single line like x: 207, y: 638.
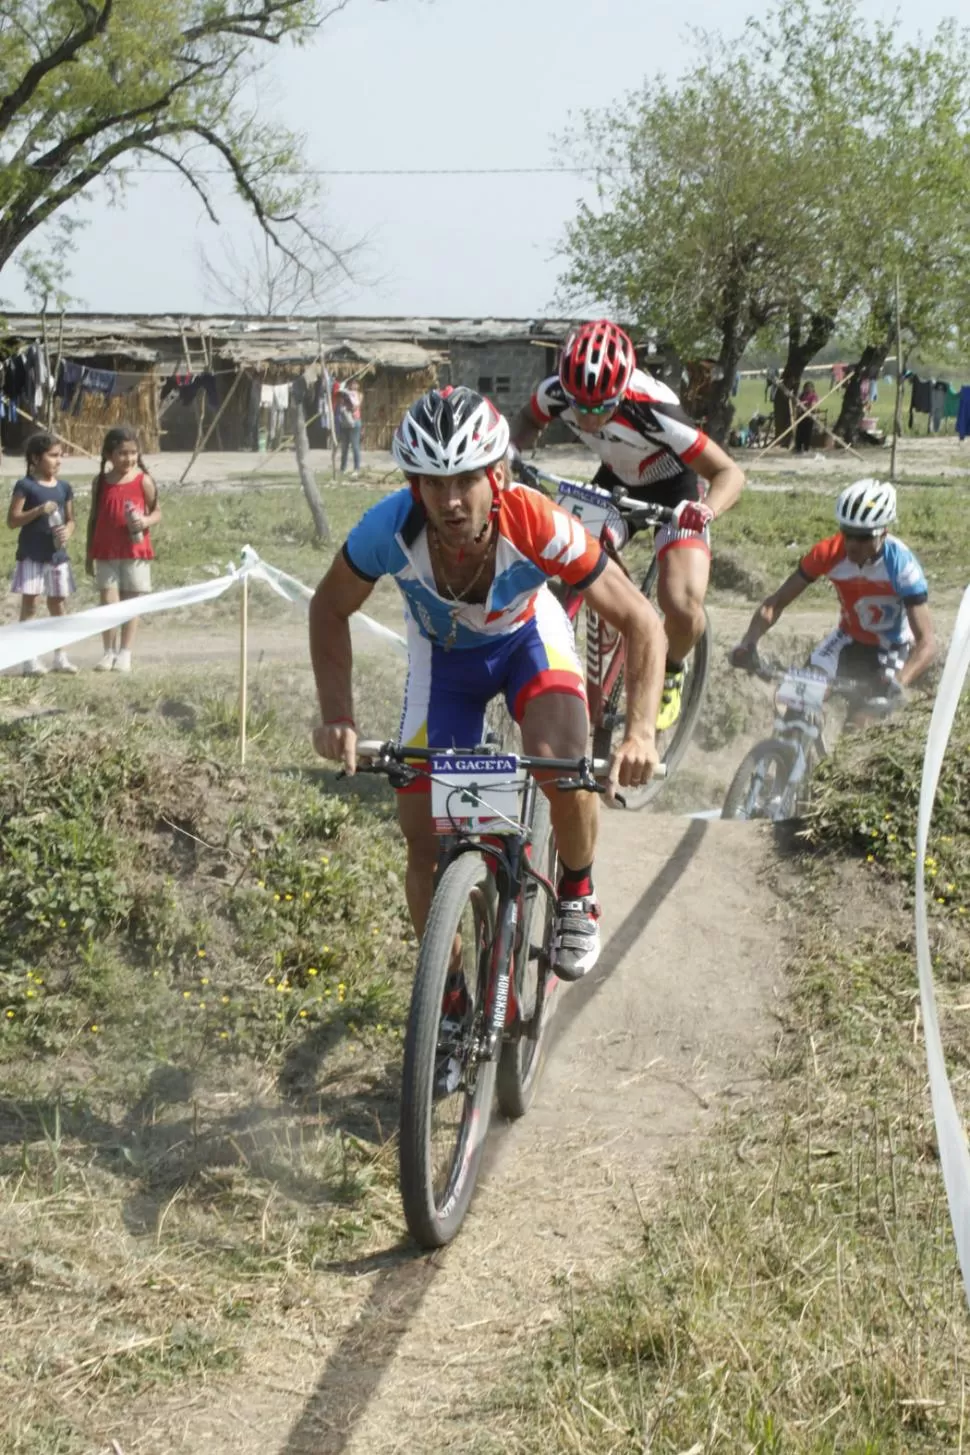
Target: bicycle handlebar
x: 637, y: 512
x: 774, y: 671
x: 390, y: 756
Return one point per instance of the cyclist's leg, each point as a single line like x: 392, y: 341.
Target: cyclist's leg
x: 545, y: 694
x: 444, y: 707
x: 684, y: 570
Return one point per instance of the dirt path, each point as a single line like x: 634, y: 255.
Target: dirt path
x: 646, y: 1053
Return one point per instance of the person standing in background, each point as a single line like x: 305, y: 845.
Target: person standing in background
x: 42, y: 509
x: 348, y: 424
x: 805, y: 427
x: 124, y: 505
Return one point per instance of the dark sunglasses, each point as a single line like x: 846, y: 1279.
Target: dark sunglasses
x: 860, y: 535
x: 607, y: 408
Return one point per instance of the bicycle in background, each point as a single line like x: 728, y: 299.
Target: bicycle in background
x: 774, y: 779
x: 613, y: 518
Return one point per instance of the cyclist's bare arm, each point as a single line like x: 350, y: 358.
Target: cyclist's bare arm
x: 339, y: 595
x: 924, y: 644
x: 526, y: 429
x: 772, y: 607
x: 614, y: 597
x: 725, y: 478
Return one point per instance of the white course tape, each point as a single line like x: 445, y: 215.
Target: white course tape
x: 295, y: 591
x: 22, y: 641
x: 954, y: 1157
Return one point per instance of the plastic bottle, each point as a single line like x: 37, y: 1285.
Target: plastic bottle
x: 136, y: 534
x: 55, y: 520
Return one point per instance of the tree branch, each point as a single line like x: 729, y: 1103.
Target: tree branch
x: 187, y: 173
x: 97, y: 24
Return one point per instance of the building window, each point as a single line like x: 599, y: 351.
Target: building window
x: 485, y: 383
x: 503, y: 384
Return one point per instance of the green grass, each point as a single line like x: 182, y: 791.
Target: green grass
x: 203, y: 981
x: 798, y: 1289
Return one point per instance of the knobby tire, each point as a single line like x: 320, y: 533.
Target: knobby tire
x: 757, y: 764
x: 520, y: 1062
x: 673, y: 745
x: 433, y: 1218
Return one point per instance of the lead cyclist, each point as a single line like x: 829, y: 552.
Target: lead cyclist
x: 647, y: 444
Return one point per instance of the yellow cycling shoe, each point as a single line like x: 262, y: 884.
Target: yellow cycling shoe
x: 671, y: 701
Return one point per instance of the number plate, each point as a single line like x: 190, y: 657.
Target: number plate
x: 594, y: 508
x: 476, y: 795
x: 806, y: 690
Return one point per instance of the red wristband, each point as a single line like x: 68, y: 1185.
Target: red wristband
x: 341, y: 722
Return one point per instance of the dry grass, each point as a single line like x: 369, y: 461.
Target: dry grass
x: 798, y: 1289
x: 195, y: 1128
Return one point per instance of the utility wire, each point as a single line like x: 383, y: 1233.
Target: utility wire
x: 399, y: 171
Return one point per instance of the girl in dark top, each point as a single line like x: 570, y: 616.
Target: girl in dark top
x: 42, y: 561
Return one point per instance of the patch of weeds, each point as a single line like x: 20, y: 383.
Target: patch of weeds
x: 866, y: 798
x: 798, y: 1289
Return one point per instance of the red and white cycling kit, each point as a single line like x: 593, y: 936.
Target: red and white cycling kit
x: 647, y: 446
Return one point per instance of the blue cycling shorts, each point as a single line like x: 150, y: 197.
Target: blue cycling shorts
x: 447, y: 692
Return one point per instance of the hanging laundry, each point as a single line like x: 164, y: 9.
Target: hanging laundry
x: 921, y: 399
x: 952, y: 407
x: 938, y: 404
x: 69, y: 377
x: 963, y: 412
x: 188, y: 386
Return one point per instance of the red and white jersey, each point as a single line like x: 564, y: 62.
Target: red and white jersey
x: 873, y: 597
x: 648, y: 444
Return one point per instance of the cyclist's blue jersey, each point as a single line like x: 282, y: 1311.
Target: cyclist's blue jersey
x: 537, y: 541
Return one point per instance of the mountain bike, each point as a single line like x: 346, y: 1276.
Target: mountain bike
x: 485, y: 980
x: 613, y: 518
x: 774, y: 778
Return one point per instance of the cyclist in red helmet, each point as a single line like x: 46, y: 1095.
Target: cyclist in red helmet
x: 647, y: 444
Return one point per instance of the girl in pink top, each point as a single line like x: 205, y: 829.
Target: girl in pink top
x: 124, y: 506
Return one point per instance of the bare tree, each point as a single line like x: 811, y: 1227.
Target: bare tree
x: 267, y: 280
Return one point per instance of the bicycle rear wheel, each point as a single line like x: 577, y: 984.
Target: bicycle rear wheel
x: 446, y: 1097
x: 672, y: 745
x: 520, y: 1062
x: 758, y: 789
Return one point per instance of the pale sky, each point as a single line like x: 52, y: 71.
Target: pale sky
x: 423, y: 83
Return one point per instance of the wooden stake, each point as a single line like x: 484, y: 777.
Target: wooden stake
x: 201, y: 444
x: 898, y: 406
x: 243, y: 667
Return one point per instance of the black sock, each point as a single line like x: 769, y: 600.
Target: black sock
x: 575, y: 883
x: 673, y: 666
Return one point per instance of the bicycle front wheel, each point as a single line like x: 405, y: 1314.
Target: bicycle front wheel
x: 759, y: 787
x: 673, y: 744
x: 446, y: 1097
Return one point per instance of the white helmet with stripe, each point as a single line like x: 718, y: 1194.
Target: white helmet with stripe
x: 449, y: 432
x: 866, y: 507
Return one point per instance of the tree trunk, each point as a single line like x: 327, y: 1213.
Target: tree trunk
x: 853, y: 407
x: 803, y: 345
x: 302, y: 445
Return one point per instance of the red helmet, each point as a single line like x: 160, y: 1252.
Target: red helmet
x: 597, y: 362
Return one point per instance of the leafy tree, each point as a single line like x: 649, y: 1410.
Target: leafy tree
x: 777, y: 188
x: 87, y: 85
x: 896, y: 165
x: 707, y: 216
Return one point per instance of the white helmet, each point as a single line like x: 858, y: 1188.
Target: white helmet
x: 448, y: 432
x: 866, y: 508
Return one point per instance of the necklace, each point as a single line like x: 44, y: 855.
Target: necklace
x: 460, y: 597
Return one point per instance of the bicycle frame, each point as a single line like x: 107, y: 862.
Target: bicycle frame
x: 513, y: 869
